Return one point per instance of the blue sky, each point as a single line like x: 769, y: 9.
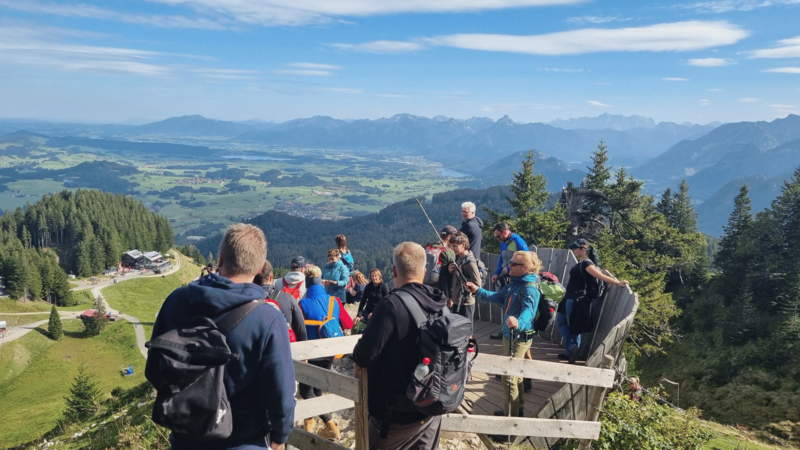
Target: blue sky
x: 534, y: 60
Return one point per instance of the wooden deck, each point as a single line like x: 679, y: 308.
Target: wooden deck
x: 485, y: 392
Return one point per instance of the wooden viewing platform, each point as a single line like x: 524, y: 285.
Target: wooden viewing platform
x: 485, y: 392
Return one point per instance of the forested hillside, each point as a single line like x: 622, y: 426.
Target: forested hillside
x: 739, y: 357
x: 83, y: 232
x: 371, y: 238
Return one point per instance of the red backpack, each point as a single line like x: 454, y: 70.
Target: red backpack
x: 293, y: 291
x: 292, y: 336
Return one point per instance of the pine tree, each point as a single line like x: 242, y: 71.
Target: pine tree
x: 597, y: 178
x: 54, y: 326
x: 97, y: 323
x: 665, y: 205
x: 84, y: 396
x: 739, y: 222
x: 685, y: 219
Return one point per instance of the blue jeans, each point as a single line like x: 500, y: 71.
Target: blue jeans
x: 562, y: 320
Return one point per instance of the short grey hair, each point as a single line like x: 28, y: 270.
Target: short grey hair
x: 468, y: 205
x: 409, y: 259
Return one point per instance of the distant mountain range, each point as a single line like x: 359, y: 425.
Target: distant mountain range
x: 713, y: 213
x: 616, y: 122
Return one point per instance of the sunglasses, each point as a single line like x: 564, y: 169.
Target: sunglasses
x: 514, y: 263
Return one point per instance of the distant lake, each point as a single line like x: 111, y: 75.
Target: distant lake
x: 452, y: 173
x: 255, y: 158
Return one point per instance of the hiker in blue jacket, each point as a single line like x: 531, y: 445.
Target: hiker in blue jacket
x: 260, y: 383
x: 335, y: 276
x: 519, y: 299
x: 510, y: 242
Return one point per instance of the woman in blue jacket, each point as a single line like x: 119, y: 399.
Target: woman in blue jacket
x: 519, y: 299
x: 335, y: 276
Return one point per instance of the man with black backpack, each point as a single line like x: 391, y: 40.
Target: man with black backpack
x: 391, y: 349
x: 220, y: 359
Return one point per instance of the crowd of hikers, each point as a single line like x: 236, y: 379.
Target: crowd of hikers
x: 222, y: 366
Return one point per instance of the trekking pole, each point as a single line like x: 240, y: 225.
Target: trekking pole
x: 511, y: 354
x: 461, y: 278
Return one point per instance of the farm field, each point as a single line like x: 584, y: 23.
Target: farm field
x: 206, y: 193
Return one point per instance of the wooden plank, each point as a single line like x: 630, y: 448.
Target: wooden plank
x: 319, y: 348
x: 516, y: 426
x: 304, y: 440
x: 545, y: 256
x: 321, y: 405
x: 559, y: 263
x: 496, y: 313
x: 542, y: 370
x: 362, y: 411
x: 327, y: 380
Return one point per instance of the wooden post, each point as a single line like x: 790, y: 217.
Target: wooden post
x: 485, y: 439
x: 362, y: 412
x: 593, y: 408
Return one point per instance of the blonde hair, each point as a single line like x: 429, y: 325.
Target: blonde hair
x: 243, y: 250
x: 358, y: 277
x: 313, y: 271
x: 378, y: 271
x: 409, y: 259
x: 531, y: 260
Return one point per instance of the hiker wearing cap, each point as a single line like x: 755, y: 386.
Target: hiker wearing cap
x: 438, y: 259
x: 519, y: 300
x: 472, y: 226
x: 294, y: 282
x: 575, y: 312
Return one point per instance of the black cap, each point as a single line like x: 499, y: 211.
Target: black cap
x: 298, y: 263
x: 580, y: 243
x: 448, y: 230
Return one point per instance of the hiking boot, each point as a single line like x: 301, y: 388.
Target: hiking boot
x: 573, y: 355
x: 563, y: 357
x: 527, y: 384
x: 498, y: 335
x: 504, y: 439
x: 309, y: 424
x: 331, y: 431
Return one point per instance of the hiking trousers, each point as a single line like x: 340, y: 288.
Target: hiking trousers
x: 422, y: 435
x: 307, y: 392
x: 514, y: 390
x: 572, y: 342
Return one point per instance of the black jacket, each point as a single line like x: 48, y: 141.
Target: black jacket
x: 370, y: 298
x: 389, y: 349
x: 473, y: 229
x: 291, y: 311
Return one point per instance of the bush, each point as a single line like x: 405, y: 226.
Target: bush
x: 649, y: 425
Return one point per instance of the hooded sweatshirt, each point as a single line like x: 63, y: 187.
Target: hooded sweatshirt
x: 260, y: 384
x: 473, y: 228
x: 519, y: 298
x: 389, y: 349
x: 292, y: 279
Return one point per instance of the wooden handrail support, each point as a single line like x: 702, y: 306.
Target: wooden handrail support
x: 521, y: 426
x: 304, y: 440
x: 593, y: 409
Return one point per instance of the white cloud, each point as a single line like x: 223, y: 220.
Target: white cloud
x: 784, y: 70
x: 715, y: 90
x: 788, y: 48
x: 596, y: 103
x: 710, y: 62
x: 556, y: 69
x: 704, y: 102
x: 748, y: 100
x: 94, y: 12
x: 598, y: 19
x: 782, y: 106
x: 678, y: 36
x: 315, y: 66
x: 303, y: 73
x: 722, y: 6
x: 381, y: 47
x: 674, y: 79
x: 300, y: 12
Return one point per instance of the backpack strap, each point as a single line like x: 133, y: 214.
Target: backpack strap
x: 233, y: 318
x: 328, y: 318
x: 413, y: 307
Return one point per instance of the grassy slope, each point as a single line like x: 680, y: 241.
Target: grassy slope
x: 142, y: 298
x: 13, y: 321
x: 15, y: 356
x: 34, y: 399
x: 8, y: 305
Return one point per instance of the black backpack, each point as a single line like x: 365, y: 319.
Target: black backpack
x: 187, y: 368
x: 443, y: 338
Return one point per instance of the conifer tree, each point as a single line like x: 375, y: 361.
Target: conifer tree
x: 739, y: 222
x: 684, y: 219
x: 54, y: 326
x: 597, y: 178
x: 665, y: 205
x: 84, y: 396
x: 99, y: 320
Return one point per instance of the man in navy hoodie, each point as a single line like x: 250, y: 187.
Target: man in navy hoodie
x: 260, y: 384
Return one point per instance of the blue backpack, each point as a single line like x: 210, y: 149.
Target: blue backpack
x: 347, y: 260
x: 329, y: 326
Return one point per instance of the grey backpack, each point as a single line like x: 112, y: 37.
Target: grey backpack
x: 187, y: 368
x: 444, y: 339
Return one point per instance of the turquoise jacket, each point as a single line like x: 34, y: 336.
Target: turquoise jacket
x: 507, y: 249
x: 337, y: 272
x: 519, y: 298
